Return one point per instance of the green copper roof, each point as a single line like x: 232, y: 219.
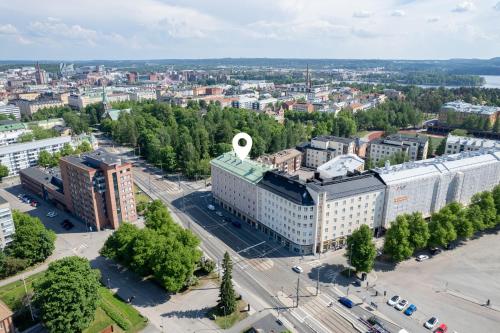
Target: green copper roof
x: 249, y: 170
x: 11, y: 126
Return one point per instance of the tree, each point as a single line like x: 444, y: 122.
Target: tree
x: 441, y: 148
x: 459, y: 132
x: 32, y: 241
x: 486, y: 204
x: 227, y: 296
x: 68, y: 295
x: 419, y: 231
x: 4, y: 171
x: 441, y: 228
x: 474, y: 215
x: 67, y: 150
x: 85, y: 147
x: 496, y: 198
x: 361, y: 249
x: 397, y: 243
x: 45, y: 159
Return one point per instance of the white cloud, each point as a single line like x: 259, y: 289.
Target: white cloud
x: 362, y: 14
x: 497, y: 6
x: 8, y: 29
x: 433, y: 19
x: 464, y: 6
x: 364, y: 33
x: 398, y: 13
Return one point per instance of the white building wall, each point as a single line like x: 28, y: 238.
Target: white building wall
x: 294, y: 222
x: 7, y: 228
x: 234, y: 192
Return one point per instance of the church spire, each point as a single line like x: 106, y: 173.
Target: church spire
x: 105, y: 101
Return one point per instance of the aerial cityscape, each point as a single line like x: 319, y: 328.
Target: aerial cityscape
x: 249, y: 167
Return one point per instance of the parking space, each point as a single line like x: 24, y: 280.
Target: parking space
x: 70, y: 241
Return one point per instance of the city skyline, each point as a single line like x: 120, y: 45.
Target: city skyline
x: 154, y: 29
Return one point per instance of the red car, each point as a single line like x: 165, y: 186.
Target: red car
x: 441, y: 329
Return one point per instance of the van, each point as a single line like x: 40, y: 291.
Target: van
x: 211, y: 207
x: 346, y: 302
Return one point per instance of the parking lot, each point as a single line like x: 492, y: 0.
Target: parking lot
x: 75, y: 241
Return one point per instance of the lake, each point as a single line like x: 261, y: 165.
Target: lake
x: 492, y: 81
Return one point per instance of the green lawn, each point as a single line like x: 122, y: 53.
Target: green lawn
x: 13, y: 293
x: 225, y: 322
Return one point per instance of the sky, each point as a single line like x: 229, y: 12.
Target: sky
x: 167, y: 29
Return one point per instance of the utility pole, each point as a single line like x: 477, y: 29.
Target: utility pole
x: 29, y: 300
x: 298, y: 282
x: 317, y: 282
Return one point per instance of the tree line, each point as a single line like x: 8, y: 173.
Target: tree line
x: 49, y: 160
x: 163, y: 249
x: 176, y: 138
x: 410, y: 233
x: 32, y: 243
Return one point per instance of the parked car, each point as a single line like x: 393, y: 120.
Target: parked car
x: 211, y: 207
x: 51, y: 214
x: 431, y: 323
x: 219, y: 213
x: 236, y: 224
x: 393, y: 300
x: 401, y: 305
x: 410, y: 310
x: 451, y: 246
x: 226, y: 219
x: 346, y: 302
x: 441, y: 329
x: 422, y: 257
x: 297, y: 269
x: 435, y: 250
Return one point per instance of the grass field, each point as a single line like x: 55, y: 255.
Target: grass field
x: 129, y: 317
x: 225, y: 322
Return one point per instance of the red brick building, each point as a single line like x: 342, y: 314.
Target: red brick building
x: 98, y: 188
x: 6, y: 323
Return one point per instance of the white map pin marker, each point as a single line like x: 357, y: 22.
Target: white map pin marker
x: 242, y: 151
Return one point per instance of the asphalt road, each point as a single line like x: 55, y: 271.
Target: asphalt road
x: 262, y: 267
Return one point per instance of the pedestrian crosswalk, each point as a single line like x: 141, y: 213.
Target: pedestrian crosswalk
x: 259, y: 264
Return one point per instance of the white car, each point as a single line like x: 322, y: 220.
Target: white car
x: 51, y: 214
x: 422, y: 257
x: 431, y: 323
x: 393, y: 300
x: 211, y: 207
x: 297, y: 269
x: 401, y: 305
x: 219, y: 213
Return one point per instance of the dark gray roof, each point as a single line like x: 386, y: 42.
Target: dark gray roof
x: 101, y: 156
x: 2, y: 200
x: 290, y: 188
x: 347, y: 186
x: 334, y: 138
x: 48, y: 177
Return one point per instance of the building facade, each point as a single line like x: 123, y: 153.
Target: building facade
x: 415, y: 147
x: 7, y: 228
x: 10, y: 109
x: 456, y: 112
x: 20, y: 156
x: 427, y: 186
x: 6, y: 322
x: 234, y: 185
x: 458, y: 144
x: 288, y: 160
x: 98, y: 188
x: 324, y: 148
x: 29, y: 108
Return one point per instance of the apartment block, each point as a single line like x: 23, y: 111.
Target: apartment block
x: 456, y: 111
x: 288, y: 160
x: 458, y: 144
x: 416, y: 147
x: 20, y: 156
x: 29, y: 108
x: 324, y: 148
x: 10, y: 109
x: 7, y: 228
x: 98, y: 188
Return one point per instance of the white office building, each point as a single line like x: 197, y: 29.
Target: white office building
x: 10, y: 109
x: 7, y: 228
x: 427, y: 186
x: 458, y: 144
x: 20, y: 156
